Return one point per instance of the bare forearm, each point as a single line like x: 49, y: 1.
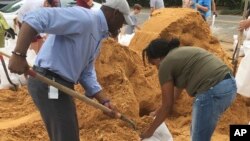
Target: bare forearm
x: 213, y: 6
x: 244, y: 24
x: 164, y: 111
x: 160, y: 117
x: 25, y: 37
x: 200, y: 7
x: 177, y: 92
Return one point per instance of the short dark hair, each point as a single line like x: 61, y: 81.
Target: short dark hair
x: 137, y: 6
x: 53, y: 3
x: 159, y: 48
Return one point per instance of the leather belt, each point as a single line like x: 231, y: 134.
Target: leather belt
x: 228, y: 76
x: 47, y: 73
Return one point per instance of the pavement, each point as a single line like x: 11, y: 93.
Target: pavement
x: 225, y: 27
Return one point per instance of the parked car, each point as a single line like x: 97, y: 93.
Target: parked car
x: 5, y: 2
x: 10, y: 11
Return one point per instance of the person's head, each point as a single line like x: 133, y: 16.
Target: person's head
x: 158, y: 49
x: 137, y: 8
x: 116, y: 13
x: 51, y: 3
x: 85, y: 3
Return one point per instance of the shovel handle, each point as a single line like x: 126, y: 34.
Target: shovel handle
x: 74, y: 94
x: 68, y: 91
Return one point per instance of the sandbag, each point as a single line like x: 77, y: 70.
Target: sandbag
x: 19, y: 80
x: 124, y: 39
x: 16, y: 79
x: 161, y: 134
x: 243, y: 75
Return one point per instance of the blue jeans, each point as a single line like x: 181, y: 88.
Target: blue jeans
x: 209, y: 106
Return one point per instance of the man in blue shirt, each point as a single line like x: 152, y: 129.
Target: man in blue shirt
x: 204, y: 7
x: 67, y: 57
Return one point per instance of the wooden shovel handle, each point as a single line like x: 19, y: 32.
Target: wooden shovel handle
x: 83, y: 98
x: 74, y: 94
x: 68, y: 91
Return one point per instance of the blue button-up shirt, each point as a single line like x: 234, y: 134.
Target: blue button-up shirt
x: 205, y: 3
x: 73, y: 43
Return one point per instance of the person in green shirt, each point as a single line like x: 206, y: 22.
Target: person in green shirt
x: 5, y: 30
x: 203, y: 75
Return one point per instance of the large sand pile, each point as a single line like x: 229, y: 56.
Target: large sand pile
x: 133, y: 89
x: 185, y: 24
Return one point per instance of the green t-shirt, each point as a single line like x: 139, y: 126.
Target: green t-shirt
x: 193, y: 69
x: 3, y: 26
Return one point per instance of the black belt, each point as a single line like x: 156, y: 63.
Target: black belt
x: 47, y: 73
x: 228, y: 76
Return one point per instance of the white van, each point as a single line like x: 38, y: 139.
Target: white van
x: 10, y: 11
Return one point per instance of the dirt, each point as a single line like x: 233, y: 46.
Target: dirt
x: 132, y: 88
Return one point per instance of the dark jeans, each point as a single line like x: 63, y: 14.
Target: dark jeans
x: 58, y: 115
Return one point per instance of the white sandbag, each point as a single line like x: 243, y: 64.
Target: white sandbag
x: 124, y: 39
x: 243, y: 76
x: 243, y: 73
x: 16, y: 79
x: 19, y: 80
x: 161, y: 134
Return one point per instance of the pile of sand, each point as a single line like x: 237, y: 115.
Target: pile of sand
x: 132, y: 88
x: 183, y: 23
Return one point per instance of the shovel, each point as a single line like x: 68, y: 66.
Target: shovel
x: 240, y: 40
x: 74, y: 94
x: 15, y: 87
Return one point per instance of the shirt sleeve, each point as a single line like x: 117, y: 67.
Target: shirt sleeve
x: 27, y: 7
x: 89, y: 81
x: 59, y: 21
x: 152, y: 3
x: 205, y: 3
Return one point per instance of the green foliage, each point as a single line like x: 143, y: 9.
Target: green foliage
x: 145, y: 3
x: 232, y: 4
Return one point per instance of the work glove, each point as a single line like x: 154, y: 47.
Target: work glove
x: 10, y: 33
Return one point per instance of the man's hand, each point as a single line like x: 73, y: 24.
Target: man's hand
x: 99, y: 96
x: 215, y: 13
x: 109, y: 105
x: 244, y: 24
x: 18, y: 64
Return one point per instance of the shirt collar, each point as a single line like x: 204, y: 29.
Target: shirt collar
x: 103, y: 23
